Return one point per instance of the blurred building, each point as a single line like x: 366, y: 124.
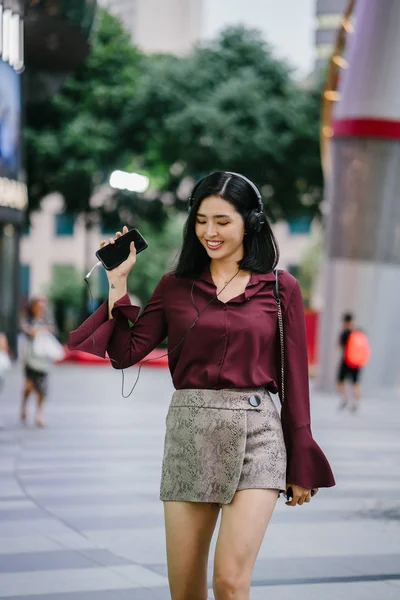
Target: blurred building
x: 329, y: 14
x: 170, y: 26
x: 55, y: 244
x: 51, y: 35
x: 361, y: 148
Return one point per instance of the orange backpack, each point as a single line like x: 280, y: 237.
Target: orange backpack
x: 357, y: 351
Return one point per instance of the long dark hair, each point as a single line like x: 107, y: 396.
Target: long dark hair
x: 30, y: 307
x: 261, y: 252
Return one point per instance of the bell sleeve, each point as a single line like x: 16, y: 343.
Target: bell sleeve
x: 307, y: 465
x: 126, y: 345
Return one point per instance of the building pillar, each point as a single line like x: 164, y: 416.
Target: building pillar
x: 362, y: 269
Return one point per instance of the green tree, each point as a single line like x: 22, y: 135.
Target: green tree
x: 74, y: 138
x: 230, y: 105
x: 158, y: 259
x: 65, y: 292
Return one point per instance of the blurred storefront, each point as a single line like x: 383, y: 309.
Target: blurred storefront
x: 13, y: 199
x: 51, y: 35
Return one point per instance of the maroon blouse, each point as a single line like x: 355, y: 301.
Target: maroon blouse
x: 232, y: 345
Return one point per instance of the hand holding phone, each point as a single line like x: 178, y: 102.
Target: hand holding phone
x: 119, y: 256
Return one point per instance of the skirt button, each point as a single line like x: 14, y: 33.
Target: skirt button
x: 255, y: 401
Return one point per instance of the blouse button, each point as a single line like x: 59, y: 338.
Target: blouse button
x: 224, y: 307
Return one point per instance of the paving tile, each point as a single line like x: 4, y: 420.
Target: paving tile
x: 96, y: 471
x: 7, y: 504
x: 60, y: 559
x: 31, y: 513
x: 40, y: 583
x: 26, y: 527
x: 161, y: 593
x: 94, y: 500
x: 28, y: 544
x: 334, y: 591
x: 120, y: 522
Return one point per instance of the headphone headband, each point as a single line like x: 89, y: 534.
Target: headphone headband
x: 242, y: 177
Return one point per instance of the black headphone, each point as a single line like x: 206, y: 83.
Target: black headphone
x: 256, y: 218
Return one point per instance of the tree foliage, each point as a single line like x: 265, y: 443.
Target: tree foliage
x: 74, y: 138
x: 229, y: 105
x: 150, y: 268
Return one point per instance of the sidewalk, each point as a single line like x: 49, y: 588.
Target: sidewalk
x: 80, y: 517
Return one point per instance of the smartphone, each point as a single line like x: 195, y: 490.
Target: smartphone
x: 113, y: 255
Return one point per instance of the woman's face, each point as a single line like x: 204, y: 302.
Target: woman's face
x: 40, y: 307
x: 220, y: 229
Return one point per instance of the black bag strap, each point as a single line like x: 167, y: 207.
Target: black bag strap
x: 281, y: 338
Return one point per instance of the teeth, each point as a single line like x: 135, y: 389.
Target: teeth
x: 214, y: 243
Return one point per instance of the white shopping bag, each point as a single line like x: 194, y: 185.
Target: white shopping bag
x: 5, y: 362
x: 45, y: 345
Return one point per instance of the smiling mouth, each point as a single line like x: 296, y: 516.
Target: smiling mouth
x: 214, y: 245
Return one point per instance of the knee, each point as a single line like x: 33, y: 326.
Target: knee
x: 229, y: 584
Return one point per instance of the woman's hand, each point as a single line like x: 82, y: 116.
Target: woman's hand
x: 300, y: 494
x: 122, y: 271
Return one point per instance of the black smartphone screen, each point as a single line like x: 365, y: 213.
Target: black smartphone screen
x: 113, y: 255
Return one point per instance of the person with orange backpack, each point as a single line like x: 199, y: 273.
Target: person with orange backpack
x: 355, y: 355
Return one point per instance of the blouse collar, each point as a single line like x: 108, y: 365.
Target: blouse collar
x: 255, y: 278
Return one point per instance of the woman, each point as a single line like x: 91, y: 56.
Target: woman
x: 225, y: 448
x: 36, y: 320
x: 5, y: 362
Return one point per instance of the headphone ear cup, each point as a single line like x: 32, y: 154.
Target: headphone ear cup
x: 255, y: 221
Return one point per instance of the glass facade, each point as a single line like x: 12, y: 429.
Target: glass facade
x: 25, y: 282
x: 300, y: 225
x: 64, y: 224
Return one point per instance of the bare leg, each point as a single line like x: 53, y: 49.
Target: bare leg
x: 28, y: 387
x: 189, y: 527
x: 356, y: 396
x: 39, y: 411
x: 341, y: 388
x: 243, y: 526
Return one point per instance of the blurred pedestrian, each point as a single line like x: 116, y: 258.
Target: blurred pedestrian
x: 36, y: 320
x: 354, y: 348
x: 5, y: 362
x: 225, y: 446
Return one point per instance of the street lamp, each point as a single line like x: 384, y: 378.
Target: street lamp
x: 134, y: 182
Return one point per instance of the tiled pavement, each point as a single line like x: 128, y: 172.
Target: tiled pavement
x: 80, y: 517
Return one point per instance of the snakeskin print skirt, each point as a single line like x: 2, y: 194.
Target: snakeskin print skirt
x: 221, y: 441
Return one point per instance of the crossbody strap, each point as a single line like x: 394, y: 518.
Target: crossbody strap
x: 281, y: 338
